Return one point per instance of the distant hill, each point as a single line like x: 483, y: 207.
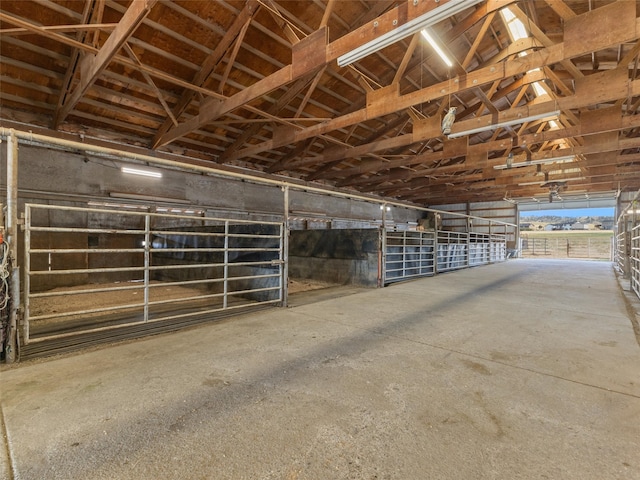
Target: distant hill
x: 557, y: 219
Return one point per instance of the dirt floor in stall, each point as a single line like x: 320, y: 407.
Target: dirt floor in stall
x: 72, y: 299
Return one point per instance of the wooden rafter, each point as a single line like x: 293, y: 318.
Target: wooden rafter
x: 81, y: 27
x: 313, y: 53
x: 476, y: 43
x: 293, y: 91
x: 92, y: 66
x: 274, y: 10
x: 232, y: 57
x: 545, y: 40
x: 152, y: 84
x: 327, y: 13
x: 561, y: 8
x: 406, y: 58
x: 65, y: 90
x: 312, y: 87
x: 249, y: 10
x: 388, y: 105
x: 494, y: 146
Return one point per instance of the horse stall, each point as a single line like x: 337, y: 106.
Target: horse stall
x: 100, y: 272
x: 379, y: 257
x: 335, y: 257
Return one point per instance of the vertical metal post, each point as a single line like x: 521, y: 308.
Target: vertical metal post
x: 516, y: 234
x: 383, y: 247
x: 12, y: 239
x: 627, y: 241
x: 225, y: 277
x: 630, y: 263
x: 504, y: 245
x: 147, y: 257
x: 27, y: 271
x: 491, y: 245
x: 468, y: 259
x: 284, y: 251
x: 435, y: 250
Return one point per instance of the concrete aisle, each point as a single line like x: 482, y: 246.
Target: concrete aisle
x: 523, y: 370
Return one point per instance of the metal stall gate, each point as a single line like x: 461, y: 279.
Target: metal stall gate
x: 411, y: 254
x: 485, y: 248
x: 634, y: 261
x: 102, y: 271
x: 408, y: 254
x: 453, y: 250
x: 620, y: 251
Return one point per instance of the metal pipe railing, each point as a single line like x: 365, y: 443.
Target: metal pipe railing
x: 410, y: 254
x: 161, y: 160
x: 635, y: 260
x: 230, y: 271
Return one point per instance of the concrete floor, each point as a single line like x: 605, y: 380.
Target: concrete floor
x: 527, y: 369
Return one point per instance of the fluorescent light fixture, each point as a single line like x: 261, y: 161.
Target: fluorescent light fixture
x: 144, y: 173
x: 506, y: 123
x: 430, y: 18
x: 544, y: 161
x: 437, y: 48
x: 148, y: 198
x: 542, y: 182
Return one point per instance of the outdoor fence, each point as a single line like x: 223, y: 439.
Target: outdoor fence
x: 582, y: 246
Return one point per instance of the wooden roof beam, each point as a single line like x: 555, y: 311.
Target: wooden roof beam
x: 274, y: 10
x: 547, y: 56
x: 326, y: 16
x: 284, y: 100
x: 92, y: 66
x: 582, y: 99
x: 561, y: 8
x: 209, y: 64
x: 72, y: 66
x: 152, y: 84
x: 233, y: 55
x: 624, y: 123
x: 476, y: 43
x: 309, y: 54
x: 94, y: 27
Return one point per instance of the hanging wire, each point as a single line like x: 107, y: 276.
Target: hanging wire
x: 4, y: 275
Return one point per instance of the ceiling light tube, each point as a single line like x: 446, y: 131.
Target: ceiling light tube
x: 544, y: 161
x: 439, y: 13
x: 542, y: 182
x: 437, y: 48
x: 144, y: 173
x: 506, y: 123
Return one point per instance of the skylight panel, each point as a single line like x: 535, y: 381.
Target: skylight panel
x: 538, y: 89
x: 517, y: 30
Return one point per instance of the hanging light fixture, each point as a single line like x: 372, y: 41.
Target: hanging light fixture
x: 506, y: 123
x: 544, y: 161
x: 437, y: 48
x: 438, y: 14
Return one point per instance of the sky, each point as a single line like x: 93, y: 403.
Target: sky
x: 571, y: 212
